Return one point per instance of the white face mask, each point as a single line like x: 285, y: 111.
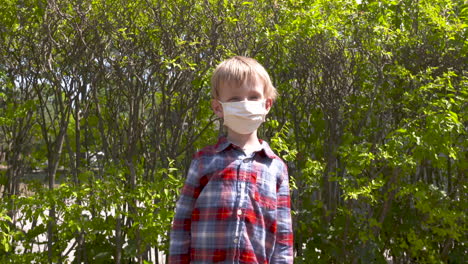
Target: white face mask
x: 244, y: 117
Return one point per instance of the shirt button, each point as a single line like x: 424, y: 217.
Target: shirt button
x: 236, y: 240
x: 239, y: 212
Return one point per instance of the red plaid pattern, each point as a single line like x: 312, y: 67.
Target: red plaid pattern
x: 233, y: 208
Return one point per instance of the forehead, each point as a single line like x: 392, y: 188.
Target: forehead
x: 250, y: 85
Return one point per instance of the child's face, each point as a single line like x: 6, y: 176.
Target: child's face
x: 252, y: 90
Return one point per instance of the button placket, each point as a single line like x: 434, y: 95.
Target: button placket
x: 241, y: 196
x: 240, y: 193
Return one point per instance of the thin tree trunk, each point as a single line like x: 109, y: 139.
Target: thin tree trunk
x: 118, y: 239
x: 54, y: 159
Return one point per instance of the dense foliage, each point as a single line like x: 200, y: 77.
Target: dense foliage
x: 105, y: 101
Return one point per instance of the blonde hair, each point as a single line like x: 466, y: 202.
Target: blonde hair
x: 237, y: 70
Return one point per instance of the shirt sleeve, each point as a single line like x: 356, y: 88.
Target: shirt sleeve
x: 179, y: 247
x: 283, y: 251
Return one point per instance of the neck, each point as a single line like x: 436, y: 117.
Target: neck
x: 244, y: 141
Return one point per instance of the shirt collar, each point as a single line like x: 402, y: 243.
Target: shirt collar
x: 224, y: 144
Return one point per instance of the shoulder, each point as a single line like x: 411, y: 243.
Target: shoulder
x: 270, y: 153
x: 209, y: 159
x: 204, y: 152
x: 212, y: 150
x: 277, y: 163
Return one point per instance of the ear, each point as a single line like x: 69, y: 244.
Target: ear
x: 268, y: 104
x: 217, y: 108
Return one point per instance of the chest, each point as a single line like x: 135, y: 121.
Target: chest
x: 248, y: 180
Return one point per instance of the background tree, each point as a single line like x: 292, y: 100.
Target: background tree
x: 104, y: 102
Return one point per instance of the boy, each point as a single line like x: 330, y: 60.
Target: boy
x: 235, y: 204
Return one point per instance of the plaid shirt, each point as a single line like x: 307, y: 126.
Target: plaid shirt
x: 233, y: 208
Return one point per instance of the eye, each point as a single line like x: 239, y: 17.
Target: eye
x: 254, y: 98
